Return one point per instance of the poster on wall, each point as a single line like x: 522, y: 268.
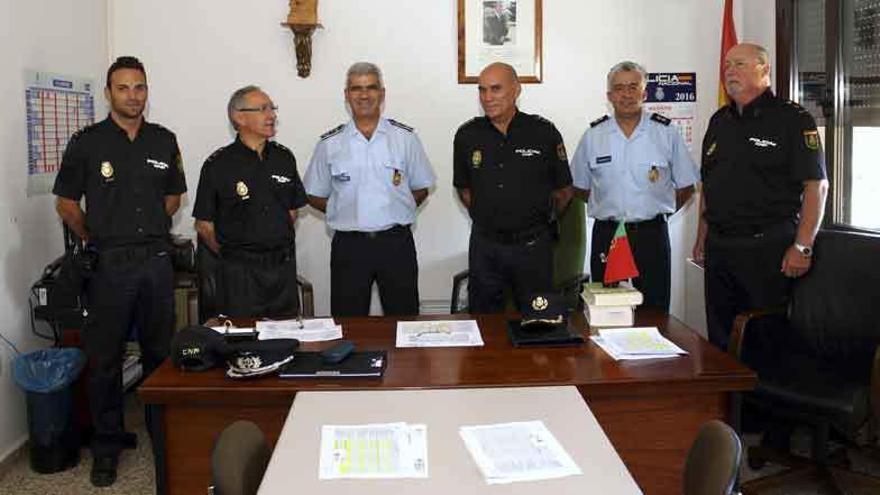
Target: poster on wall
x: 57, y: 106
x: 674, y: 95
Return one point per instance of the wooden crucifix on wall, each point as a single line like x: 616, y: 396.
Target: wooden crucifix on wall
x: 302, y: 20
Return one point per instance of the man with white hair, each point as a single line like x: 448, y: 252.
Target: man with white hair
x: 633, y: 168
x: 369, y: 176
x: 763, y: 198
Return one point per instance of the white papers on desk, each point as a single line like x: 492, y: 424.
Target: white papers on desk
x: 389, y: 450
x: 314, y: 330
x: 452, y: 333
x: 230, y: 330
x: 522, y: 451
x: 636, y: 343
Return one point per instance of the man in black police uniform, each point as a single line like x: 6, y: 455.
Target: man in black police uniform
x: 131, y: 175
x: 511, y: 173
x: 245, y: 211
x: 763, y: 196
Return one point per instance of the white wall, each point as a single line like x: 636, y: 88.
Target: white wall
x: 65, y: 36
x: 197, y: 52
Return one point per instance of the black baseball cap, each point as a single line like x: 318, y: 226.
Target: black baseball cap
x: 198, y: 348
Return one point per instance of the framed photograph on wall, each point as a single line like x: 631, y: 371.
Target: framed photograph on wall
x: 499, y: 31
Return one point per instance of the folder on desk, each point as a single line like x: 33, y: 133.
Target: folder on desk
x: 357, y: 364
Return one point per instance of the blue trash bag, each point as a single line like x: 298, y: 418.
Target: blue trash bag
x: 48, y: 370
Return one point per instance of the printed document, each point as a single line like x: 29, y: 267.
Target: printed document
x: 452, y: 333
x: 636, y: 343
x: 314, y: 330
x: 522, y: 451
x: 389, y: 450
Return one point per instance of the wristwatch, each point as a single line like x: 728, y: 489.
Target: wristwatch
x: 806, y: 251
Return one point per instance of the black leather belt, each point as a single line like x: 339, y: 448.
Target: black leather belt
x: 264, y: 257
x: 397, y: 229
x: 633, y: 226
x: 515, y: 237
x: 137, y: 253
x: 751, y: 230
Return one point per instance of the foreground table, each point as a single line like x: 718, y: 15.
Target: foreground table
x: 450, y: 466
x: 650, y: 410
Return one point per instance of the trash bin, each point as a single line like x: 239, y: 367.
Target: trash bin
x: 46, y: 376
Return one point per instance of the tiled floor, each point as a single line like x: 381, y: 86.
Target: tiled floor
x: 136, y: 475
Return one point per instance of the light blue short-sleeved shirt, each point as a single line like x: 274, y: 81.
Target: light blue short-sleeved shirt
x: 369, y: 183
x: 635, y: 178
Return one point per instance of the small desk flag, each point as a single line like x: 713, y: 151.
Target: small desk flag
x: 620, y: 264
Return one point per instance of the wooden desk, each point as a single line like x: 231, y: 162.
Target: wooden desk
x: 651, y: 410
x: 451, y: 469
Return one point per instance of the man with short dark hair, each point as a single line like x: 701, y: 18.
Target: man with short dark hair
x: 369, y: 176
x: 634, y: 168
x: 131, y: 175
x: 763, y: 198
x: 511, y: 173
x: 245, y: 211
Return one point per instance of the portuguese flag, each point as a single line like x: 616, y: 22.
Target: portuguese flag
x: 620, y: 264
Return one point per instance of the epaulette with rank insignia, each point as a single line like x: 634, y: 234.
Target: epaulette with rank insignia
x: 656, y: 117
x: 471, y: 121
x: 84, y: 130
x: 599, y: 120
x: 332, y: 132
x: 281, y: 146
x: 215, y: 154
x: 400, y: 125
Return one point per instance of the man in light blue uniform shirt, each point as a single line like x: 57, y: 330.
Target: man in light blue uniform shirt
x: 369, y: 176
x: 633, y: 167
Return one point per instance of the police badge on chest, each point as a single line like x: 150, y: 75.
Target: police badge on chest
x: 241, y: 189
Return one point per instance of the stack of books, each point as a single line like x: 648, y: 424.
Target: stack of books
x: 610, y: 306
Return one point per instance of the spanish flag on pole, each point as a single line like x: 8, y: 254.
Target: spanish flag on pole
x: 619, y: 264
x: 728, y: 40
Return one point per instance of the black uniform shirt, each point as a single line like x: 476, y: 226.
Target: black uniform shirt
x: 249, y: 199
x: 125, y: 182
x: 754, y: 164
x: 510, y: 177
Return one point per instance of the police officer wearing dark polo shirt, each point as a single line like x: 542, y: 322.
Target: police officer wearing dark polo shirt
x: 369, y: 176
x: 763, y: 195
x: 511, y: 172
x: 131, y: 175
x: 245, y: 211
x: 635, y: 168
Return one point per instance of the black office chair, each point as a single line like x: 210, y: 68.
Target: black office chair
x: 818, y: 363
x: 713, y: 461
x: 206, y: 268
x: 239, y: 459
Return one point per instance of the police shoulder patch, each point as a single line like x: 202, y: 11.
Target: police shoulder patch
x: 599, y: 120
x: 656, y: 117
x: 400, y: 125
x: 332, y: 132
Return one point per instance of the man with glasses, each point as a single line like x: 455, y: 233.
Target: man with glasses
x: 369, y: 176
x: 245, y: 212
x: 763, y: 195
x: 131, y: 175
x: 633, y: 168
